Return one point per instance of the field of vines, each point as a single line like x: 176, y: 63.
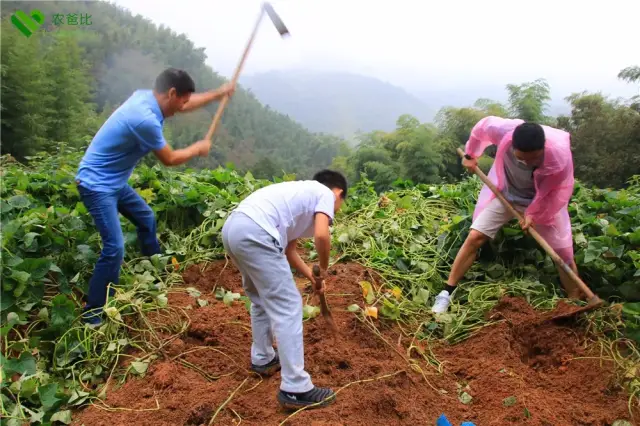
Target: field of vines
x: 52, y: 365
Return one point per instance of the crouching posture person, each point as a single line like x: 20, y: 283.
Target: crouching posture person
x: 260, y: 236
x: 533, y: 169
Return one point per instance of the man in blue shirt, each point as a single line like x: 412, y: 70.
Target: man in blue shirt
x: 131, y: 132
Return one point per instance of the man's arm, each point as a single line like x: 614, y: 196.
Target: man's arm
x: 296, y: 261
x: 170, y: 157
x: 149, y: 134
x: 198, y: 100
x: 488, y: 131
x: 322, y: 240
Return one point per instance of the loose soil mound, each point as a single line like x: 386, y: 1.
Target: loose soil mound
x: 542, y: 364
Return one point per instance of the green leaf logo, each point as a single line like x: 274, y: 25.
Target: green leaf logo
x: 27, y: 24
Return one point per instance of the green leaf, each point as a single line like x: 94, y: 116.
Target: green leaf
x: 29, y: 239
x: 5, y: 207
x: 229, y: 297
x: 140, y: 367
x: 37, y: 417
x: 19, y: 202
x: 7, y: 300
x: 580, y: 239
x: 55, y: 268
x: 631, y: 308
x: 14, y: 261
x: 37, y: 267
x: 621, y: 423
x: 162, y: 300
x: 13, y: 318
x: 405, y: 202
x: 43, y: 314
x: 193, y: 292
x: 444, y: 317
x: 202, y: 302
x: 343, y: 238
x: 367, y: 292
x: 47, y: 395
x: 495, y: 271
x: 73, y: 223
x: 422, y: 296
x: 62, y: 416
x: 465, y: 398
x: 62, y: 313
x: 309, y: 311
x: 401, y: 265
x: 612, y: 231
x: 26, y: 364
x: 509, y: 401
x: 28, y: 387
x: 144, y: 265
x: 353, y: 308
x: 78, y: 397
x: 85, y: 253
x: 21, y: 276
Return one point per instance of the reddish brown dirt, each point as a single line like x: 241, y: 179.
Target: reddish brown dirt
x: 521, y: 356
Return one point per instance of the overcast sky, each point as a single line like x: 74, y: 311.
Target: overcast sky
x: 421, y: 44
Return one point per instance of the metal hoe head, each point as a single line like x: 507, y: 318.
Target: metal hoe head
x: 277, y: 22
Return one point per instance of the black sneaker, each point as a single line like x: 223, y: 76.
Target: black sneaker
x: 268, y: 369
x: 315, y: 398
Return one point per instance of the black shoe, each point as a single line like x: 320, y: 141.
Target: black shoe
x: 92, y: 317
x: 268, y: 369
x: 315, y: 398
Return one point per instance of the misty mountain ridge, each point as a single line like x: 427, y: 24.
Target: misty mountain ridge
x: 343, y: 103
x: 338, y: 103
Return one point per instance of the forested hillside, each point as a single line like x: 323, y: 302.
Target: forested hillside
x: 336, y: 102
x: 605, y: 137
x: 60, y: 84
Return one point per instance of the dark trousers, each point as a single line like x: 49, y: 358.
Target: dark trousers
x: 104, y: 208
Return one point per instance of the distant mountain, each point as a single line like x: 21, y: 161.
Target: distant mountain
x: 467, y: 95
x: 336, y: 102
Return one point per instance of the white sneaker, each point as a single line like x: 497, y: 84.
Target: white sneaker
x: 442, y: 302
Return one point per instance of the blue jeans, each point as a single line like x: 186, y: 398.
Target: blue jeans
x: 104, y: 208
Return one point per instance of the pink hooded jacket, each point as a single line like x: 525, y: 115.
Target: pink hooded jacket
x: 553, y: 180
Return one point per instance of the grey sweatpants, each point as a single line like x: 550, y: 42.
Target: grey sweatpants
x: 276, y: 303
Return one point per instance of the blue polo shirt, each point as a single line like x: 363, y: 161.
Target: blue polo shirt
x: 132, y: 131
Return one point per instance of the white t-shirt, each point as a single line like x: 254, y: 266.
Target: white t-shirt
x: 286, y: 210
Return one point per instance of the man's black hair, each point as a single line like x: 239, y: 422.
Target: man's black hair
x: 332, y: 179
x: 173, y: 77
x: 528, y: 137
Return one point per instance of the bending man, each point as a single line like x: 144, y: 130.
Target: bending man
x: 533, y: 169
x: 132, y: 131
x: 261, y: 236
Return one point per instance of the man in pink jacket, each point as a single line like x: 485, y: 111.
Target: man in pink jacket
x: 533, y: 169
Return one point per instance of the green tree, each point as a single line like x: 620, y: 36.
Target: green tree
x: 70, y: 90
x: 630, y: 74
x: 25, y: 96
x: 605, y: 137
x: 528, y: 101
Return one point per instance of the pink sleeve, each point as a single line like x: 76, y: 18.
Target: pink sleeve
x: 555, y: 187
x: 490, y: 130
